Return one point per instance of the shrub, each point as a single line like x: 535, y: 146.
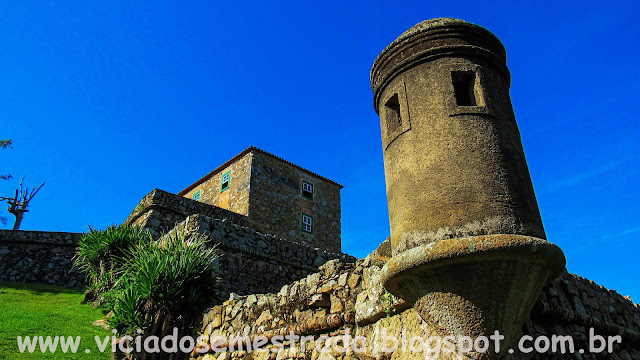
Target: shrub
x: 149, y: 285
x: 166, y: 284
x: 101, y: 255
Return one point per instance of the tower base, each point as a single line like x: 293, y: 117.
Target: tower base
x: 475, y: 285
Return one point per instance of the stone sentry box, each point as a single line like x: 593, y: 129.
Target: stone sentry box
x: 269, y: 191
x: 469, y: 249
x: 457, y: 137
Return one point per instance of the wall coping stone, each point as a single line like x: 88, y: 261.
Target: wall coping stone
x: 52, y: 238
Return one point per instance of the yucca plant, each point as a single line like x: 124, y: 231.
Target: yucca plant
x: 167, y: 284
x: 101, y: 255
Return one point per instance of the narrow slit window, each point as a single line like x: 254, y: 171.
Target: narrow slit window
x: 226, y: 179
x: 307, y: 223
x: 464, y: 87
x: 307, y: 190
x: 392, y: 113
x: 196, y: 195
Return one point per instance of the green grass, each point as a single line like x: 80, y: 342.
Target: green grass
x: 42, y: 310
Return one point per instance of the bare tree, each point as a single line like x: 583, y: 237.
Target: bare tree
x: 19, y: 203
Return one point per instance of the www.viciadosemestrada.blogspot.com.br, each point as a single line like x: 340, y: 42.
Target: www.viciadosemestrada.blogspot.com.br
x: 381, y: 341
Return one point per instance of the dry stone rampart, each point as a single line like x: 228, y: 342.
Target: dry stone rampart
x: 252, y: 262
x: 39, y: 257
x: 161, y: 211
x: 348, y: 298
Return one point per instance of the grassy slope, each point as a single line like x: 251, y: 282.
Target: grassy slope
x: 41, y: 310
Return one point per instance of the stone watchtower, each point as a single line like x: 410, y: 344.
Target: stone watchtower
x: 466, y: 232
x: 453, y: 159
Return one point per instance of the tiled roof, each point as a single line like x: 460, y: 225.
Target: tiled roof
x: 242, y: 154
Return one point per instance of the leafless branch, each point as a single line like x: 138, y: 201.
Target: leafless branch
x: 19, y: 203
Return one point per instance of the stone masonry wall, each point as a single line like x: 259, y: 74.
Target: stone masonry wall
x: 277, y: 205
x: 322, y: 303
x: 236, y: 197
x: 161, y: 211
x: 571, y: 305
x: 253, y: 262
x: 343, y: 298
x: 39, y: 257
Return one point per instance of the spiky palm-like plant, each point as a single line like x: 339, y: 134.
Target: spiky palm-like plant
x: 167, y: 284
x: 101, y: 255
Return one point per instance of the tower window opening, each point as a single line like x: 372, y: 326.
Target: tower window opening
x: 392, y: 113
x: 464, y: 87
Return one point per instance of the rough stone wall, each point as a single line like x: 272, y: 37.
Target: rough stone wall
x: 277, y: 205
x: 236, y: 197
x: 39, y: 257
x: 161, y: 211
x: 321, y: 303
x: 253, y: 262
x: 268, y: 190
x: 350, y: 297
x: 572, y: 305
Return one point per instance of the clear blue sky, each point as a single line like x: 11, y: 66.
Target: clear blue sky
x: 107, y: 100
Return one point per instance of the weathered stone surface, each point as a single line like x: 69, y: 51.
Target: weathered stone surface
x: 264, y: 318
x: 276, y: 188
x: 320, y: 300
x: 312, y: 282
x: 371, y: 304
x: 236, y: 197
x: 442, y: 136
x: 328, y: 287
x: 458, y: 231
x: 216, y: 321
x: 266, y: 191
x: 39, y: 257
x: 170, y: 209
x: 330, y: 267
x: 247, y: 267
x: 336, y: 305
x: 353, y: 281
x: 342, y: 280
x: 321, y: 314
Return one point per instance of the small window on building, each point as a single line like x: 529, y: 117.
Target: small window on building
x: 196, y: 195
x: 307, y: 223
x: 392, y: 113
x: 307, y: 190
x: 464, y: 87
x: 226, y: 179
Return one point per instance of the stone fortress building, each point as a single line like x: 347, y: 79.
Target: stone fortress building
x: 467, y: 254
x: 281, y: 198
x: 273, y: 221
